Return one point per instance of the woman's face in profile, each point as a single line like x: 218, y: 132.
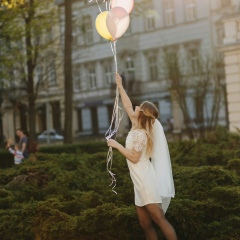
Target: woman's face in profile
x: 136, y: 111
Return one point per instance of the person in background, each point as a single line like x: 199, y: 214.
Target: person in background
x: 18, y: 155
x: 32, y: 145
x: 23, y: 142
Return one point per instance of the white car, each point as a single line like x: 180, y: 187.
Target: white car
x: 51, y: 134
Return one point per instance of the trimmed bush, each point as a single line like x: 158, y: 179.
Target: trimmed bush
x: 66, y: 195
x: 87, y: 147
x: 6, y: 159
x: 234, y: 164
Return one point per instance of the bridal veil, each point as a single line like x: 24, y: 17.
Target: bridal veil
x: 162, y: 165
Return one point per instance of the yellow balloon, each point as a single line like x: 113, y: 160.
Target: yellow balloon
x: 101, y: 26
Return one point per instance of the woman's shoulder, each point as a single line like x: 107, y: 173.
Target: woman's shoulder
x: 138, y: 132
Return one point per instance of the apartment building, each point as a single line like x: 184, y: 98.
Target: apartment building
x: 190, y: 27
x: 231, y: 50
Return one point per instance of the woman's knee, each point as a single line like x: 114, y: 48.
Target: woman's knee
x: 145, y: 224
x: 157, y: 215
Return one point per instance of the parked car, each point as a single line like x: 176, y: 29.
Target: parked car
x: 52, y: 134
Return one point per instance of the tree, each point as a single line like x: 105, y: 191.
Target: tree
x: 68, y: 72
x: 198, y: 89
x: 24, y: 25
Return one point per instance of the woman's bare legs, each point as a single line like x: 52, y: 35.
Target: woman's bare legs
x: 157, y: 215
x: 146, y: 223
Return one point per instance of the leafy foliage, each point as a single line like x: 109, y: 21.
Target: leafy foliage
x: 65, y: 194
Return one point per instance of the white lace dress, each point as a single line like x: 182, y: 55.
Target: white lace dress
x: 142, y: 173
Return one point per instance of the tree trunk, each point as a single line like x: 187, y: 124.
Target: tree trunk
x: 181, y: 98
x: 68, y: 72
x: 30, y: 74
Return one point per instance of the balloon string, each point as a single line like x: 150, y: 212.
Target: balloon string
x: 117, y: 116
x: 115, y: 56
x: 114, y: 51
x: 109, y: 5
x: 98, y: 6
x: 109, y: 167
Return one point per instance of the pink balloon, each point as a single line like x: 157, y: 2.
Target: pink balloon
x: 126, y: 4
x: 117, y: 21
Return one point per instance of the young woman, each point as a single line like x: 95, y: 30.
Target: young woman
x: 149, y: 165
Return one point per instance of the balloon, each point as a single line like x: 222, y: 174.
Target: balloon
x: 102, y: 27
x: 126, y: 4
x: 117, y: 21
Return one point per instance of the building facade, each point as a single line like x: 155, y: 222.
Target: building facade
x: 190, y: 27
x: 231, y: 50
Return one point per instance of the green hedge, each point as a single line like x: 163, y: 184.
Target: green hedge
x: 6, y: 159
x: 66, y: 195
x: 88, y: 147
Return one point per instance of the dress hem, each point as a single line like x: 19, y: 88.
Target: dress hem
x: 143, y: 205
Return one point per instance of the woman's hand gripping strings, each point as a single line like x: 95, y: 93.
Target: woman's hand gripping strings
x: 131, y: 155
x: 118, y: 79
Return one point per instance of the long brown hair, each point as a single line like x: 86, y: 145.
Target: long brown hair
x: 147, y: 116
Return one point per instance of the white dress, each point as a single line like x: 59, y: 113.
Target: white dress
x: 142, y: 173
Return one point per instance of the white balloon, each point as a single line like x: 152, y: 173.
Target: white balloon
x: 126, y: 4
x: 117, y: 21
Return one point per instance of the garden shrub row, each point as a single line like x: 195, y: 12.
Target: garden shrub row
x: 6, y: 159
x: 65, y: 194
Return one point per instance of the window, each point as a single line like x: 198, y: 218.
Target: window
x: 39, y: 73
x: 75, y: 32
x: 191, y: 10
x: 49, y: 34
x: 220, y: 35
x: 102, y: 115
x: 52, y: 74
x: 87, y: 30
x: 194, y: 60
x: 172, y: 56
x: 169, y: 13
x: 86, y: 120
x: 92, y: 81
x: 94, y: 117
x: 130, y: 69
x: 225, y: 3
x: 77, y: 79
x: 153, y: 68
x: 108, y: 74
x: 171, y: 62
x: 199, y: 109
x: 80, y: 122
x: 150, y: 22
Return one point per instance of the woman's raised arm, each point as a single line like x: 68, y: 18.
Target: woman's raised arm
x: 127, y: 104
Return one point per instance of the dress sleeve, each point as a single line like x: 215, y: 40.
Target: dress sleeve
x: 139, y: 140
